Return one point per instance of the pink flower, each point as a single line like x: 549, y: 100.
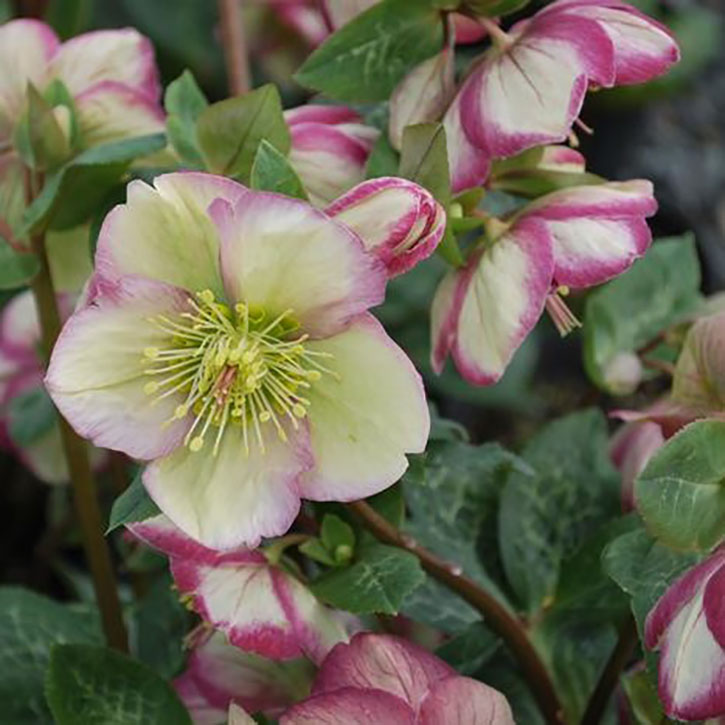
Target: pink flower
x: 304, y: 17
x: 258, y: 606
x: 574, y: 238
x: 330, y: 147
x: 687, y: 625
x: 388, y: 681
x: 226, y: 340
x: 218, y: 675
x: 529, y: 88
x: 398, y: 221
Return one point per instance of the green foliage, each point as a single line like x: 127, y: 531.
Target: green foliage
x: 185, y: 102
x: 495, y: 8
x: 336, y: 544
x: 681, y: 492
x: 229, y: 132
x: 29, y: 626
x: 68, y: 17
x: 88, y: 684
x: 16, y: 268
x: 468, y: 651
x: 272, y: 172
x: 134, y: 504
x: 383, y: 159
x: 365, y: 59
x: 31, y: 414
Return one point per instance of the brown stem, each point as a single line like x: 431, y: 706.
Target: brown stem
x: 660, y: 365
x: 235, y: 46
x: 610, y: 675
x: 76, y: 453
x: 496, y: 616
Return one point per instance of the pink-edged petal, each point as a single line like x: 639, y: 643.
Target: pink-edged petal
x: 423, y: 95
x: 124, y: 56
x: 397, y: 220
x: 321, y: 113
x: 233, y: 498
x: 500, y: 296
x: 237, y: 716
x: 19, y: 331
x: 26, y: 46
x: 305, y: 19
x: 260, y: 608
x: 561, y: 158
x: 598, y: 231
x: 382, y: 662
x: 282, y: 254
x: 365, y: 417
x: 464, y: 701
x: 467, y: 30
x: 96, y: 373
x: 444, y: 316
x: 111, y: 111
x: 164, y: 232
x: 713, y: 602
x: 202, y: 712
x: 351, y: 707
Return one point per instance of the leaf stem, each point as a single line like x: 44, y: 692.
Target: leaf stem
x: 234, y: 45
x: 76, y: 453
x: 496, y: 616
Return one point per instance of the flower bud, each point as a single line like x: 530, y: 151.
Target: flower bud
x: 623, y: 373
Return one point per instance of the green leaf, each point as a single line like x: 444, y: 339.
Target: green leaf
x: 229, y: 132
x: 643, y: 700
x: 31, y: 414
x: 95, y: 685
x: 29, y: 625
x: 185, y: 102
x: 336, y: 533
x: 366, y: 58
x: 627, y: 313
x: 424, y: 159
x: 378, y: 582
x: 16, y: 268
x: 134, y: 504
x: 69, y: 17
x: 383, y: 160
x: 681, y: 492
x: 495, y: 8
x: 546, y: 516
x: 71, y: 195
x: 469, y: 651
x: 272, y: 172
x: 316, y: 550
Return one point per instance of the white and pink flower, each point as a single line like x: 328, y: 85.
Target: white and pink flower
x: 529, y: 88
x: 386, y: 680
x: 687, y: 625
x: 225, y: 339
x: 574, y: 238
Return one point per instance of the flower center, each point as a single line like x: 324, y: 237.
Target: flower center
x: 236, y: 367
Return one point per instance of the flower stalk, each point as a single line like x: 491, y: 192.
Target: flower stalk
x: 234, y: 45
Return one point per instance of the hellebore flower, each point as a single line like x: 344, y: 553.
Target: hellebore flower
x: 687, y: 625
x: 574, y: 238
x: 330, y: 147
x: 258, y: 606
x: 232, y: 349
x: 219, y: 675
x: 530, y: 86
x: 388, y: 681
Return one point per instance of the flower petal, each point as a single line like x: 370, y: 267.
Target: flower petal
x: 500, y: 298
x: 282, y: 254
x: 364, y: 422
x: 160, y: 532
x: 96, y: 377
x: 464, y: 701
x: 124, y: 56
x: 237, y: 716
x: 713, y: 602
x: 444, y: 317
x: 164, y: 232
x: 321, y: 113
x: 202, y: 712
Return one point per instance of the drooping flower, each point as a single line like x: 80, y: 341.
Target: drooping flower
x: 261, y: 608
x: 219, y: 675
x: 574, y: 238
x: 330, y: 146
x: 687, y: 625
x: 529, y: 87
x: 232, y: 349
x: 389, y: 681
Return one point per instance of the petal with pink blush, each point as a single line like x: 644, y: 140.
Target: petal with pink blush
x: 714, y: 605
x: 96, y: 373
x: 20, y: 329
x: 237, y: 716
x: 202, y: 712
x: 321, y: 113
x: 164, y: 232
x: 281, y: 254
x: 365, y: 417
x: 159, y: 532
x: 124, y: 56
x: 501, y: 296
x: 444, y: 315
x: 464, y: 701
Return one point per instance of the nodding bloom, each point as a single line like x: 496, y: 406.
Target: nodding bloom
x: 687, y: 626
x: 386, y: 680
x: 330, y: 147
x: 529, y: 87
x: 111, y: 78
x: 225, y: 339
x: 259, y: 607
x: 569, y: 239
x: 219, y: 676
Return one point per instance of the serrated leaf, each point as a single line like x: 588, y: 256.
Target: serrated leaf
x: 681, y: 492
x: 30, y: 415
x: 184, y: 102
x: 88, y: 684
x: 272, y: 172
x: 134, y: 504
x: 366, y: 58
x: 377, y: 583
x: 16, y: 268
x: 229, y: 132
